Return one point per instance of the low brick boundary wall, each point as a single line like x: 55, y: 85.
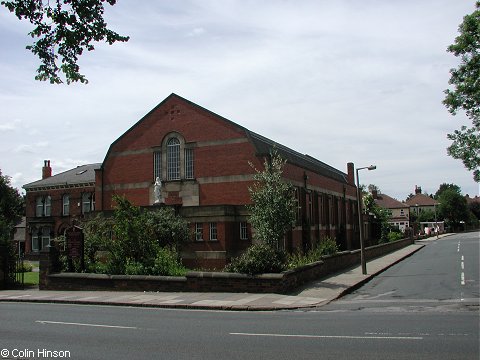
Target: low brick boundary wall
x: 198, y: 281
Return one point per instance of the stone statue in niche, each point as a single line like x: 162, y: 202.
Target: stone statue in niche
x: 157, y: 190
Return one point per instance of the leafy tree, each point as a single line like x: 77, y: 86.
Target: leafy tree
x: 443, y: 187
x: 272, y: 212
x: 129, y: 243
x: 453, y: 208
x: 475, y: 209
x: 11, y: 208
x: 373, y: 187
x: 64, y: 29
x: 98, y: 232
x: 135, y: 241
x: 382, y: 215
x: 166, y: 227
x: 427, y: 215
x: 466, y: 92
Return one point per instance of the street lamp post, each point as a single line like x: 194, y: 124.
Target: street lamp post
x: 360, y: 220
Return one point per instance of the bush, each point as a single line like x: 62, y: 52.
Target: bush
x: 167, y: 263
x: 258, y: 259
x: 326, y: 246
x: 134, y: 268
x: 25, y: 267
x: 394, y: 236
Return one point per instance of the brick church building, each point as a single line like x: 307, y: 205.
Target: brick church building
x: 202, y: 160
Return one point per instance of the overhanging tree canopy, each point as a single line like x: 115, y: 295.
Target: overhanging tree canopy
x: 465, y: 94
x: 64, y: 29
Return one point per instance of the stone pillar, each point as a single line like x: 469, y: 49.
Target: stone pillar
x: 48, y: 264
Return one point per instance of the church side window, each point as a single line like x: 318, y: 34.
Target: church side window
x: 189, y: 174
x: 173, y: 159
x: 157, y: 165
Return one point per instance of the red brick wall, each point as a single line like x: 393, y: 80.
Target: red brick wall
x: 222, y: 153
x: 57, y: 221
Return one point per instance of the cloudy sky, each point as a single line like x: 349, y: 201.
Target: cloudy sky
x: 340, y: 80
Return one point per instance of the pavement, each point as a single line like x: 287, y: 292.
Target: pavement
x: 313, y: 294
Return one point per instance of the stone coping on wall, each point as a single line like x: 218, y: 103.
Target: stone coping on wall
x: 202, y: 281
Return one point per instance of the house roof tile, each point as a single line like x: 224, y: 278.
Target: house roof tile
x: 421, y: 200
x: 388, y: 202
x: 84, y: 174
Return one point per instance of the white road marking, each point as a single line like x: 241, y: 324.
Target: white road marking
x: 82, y: 324
x: 462, y: 278
x: 380, y: 295
x: 333, y: 336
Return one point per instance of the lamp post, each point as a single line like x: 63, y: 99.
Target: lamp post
x: 360, y: 220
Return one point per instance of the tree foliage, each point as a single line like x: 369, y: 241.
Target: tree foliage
x: 11, y: 208
x: 135, y: 241
x: 64, y: 29
x: 465, y: 94
x: 443, y: 187
x: 273, y: 208
x: 453, y: 208
x: 380, y: 214
x: 475, y: 209
x: 258, y: 259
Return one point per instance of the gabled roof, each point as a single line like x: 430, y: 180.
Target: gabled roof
x: 421, y: 200
x: 388, y: 202
x: 263, y: 145
x: 81, y: 175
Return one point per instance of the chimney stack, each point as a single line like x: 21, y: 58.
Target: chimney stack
x: 350, y: 173
x: 418, y: 190
x: 46, y: 170
x: 375, y: 193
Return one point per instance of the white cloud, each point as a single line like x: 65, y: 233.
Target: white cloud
x: 352, y: 80
x: 31, y: 148
x: 11, y: 125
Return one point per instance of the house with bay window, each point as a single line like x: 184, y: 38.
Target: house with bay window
x: 53, y: 202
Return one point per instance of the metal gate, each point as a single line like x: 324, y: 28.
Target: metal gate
x: 12, y: 268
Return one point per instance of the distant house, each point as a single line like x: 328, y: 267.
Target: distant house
x: 399, y: 212
x: 54, y: 201
x: 19, y: 236
x: 470, y: 200
x: 420, y: 202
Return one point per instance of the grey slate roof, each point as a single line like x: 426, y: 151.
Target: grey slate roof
x: 264, y: 146
x: 81, y: 175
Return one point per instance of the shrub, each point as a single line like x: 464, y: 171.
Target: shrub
x: 25, y: 267
x: 327, y: 246
x: 167, y: 263
x: 134, y: 268
x: 394, y: 236
x: 258, y: 259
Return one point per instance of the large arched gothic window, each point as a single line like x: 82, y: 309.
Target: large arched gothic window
x: 173, y: 159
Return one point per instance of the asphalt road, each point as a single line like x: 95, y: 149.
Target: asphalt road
x: 444, y: 275
x: 412, y: 311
